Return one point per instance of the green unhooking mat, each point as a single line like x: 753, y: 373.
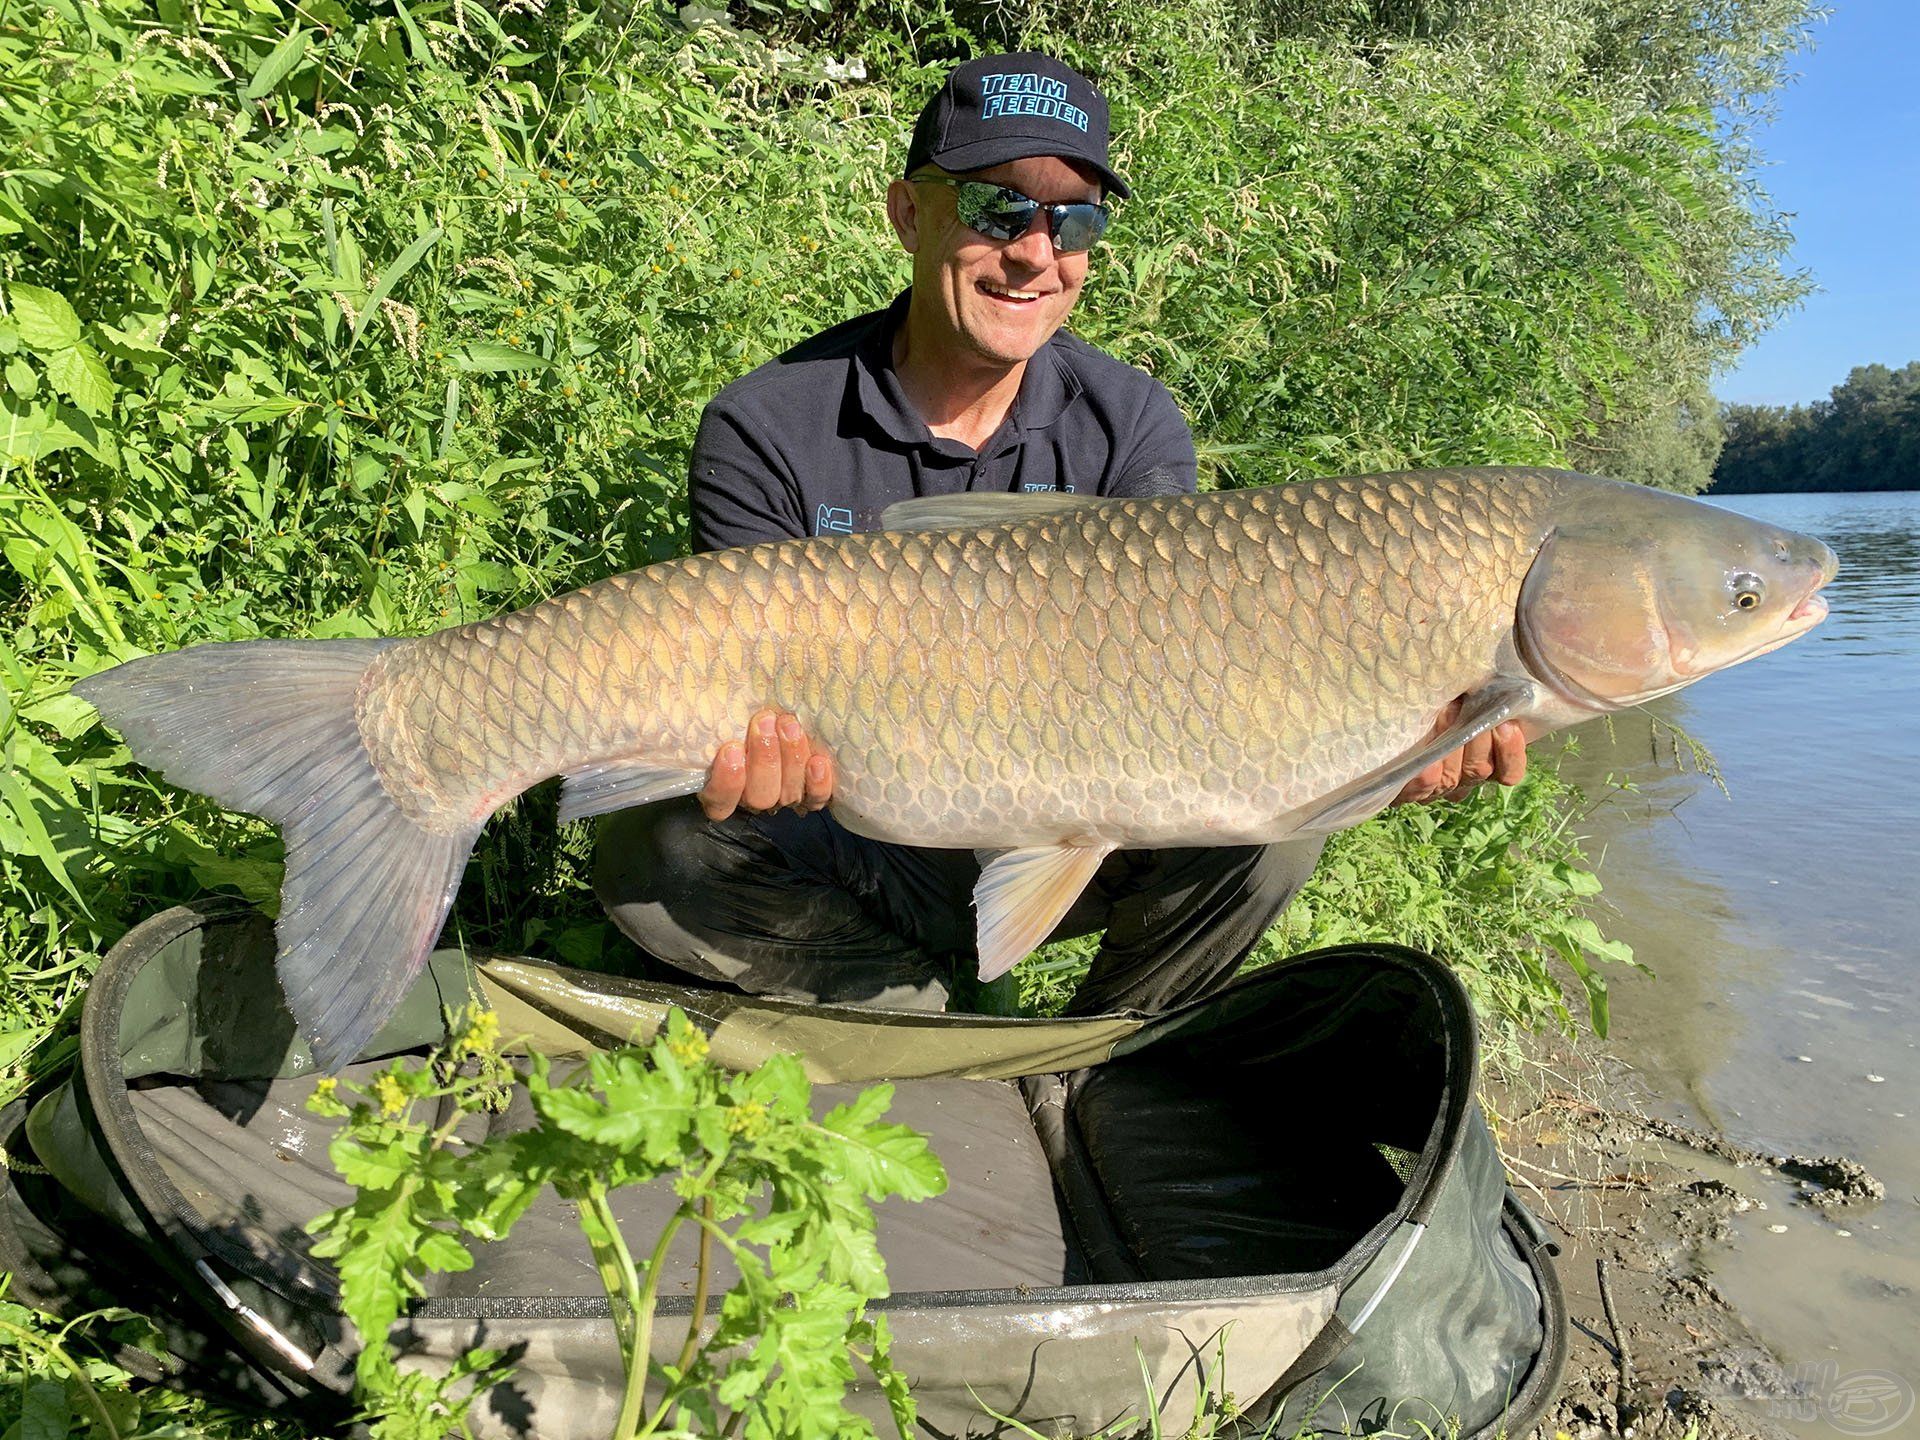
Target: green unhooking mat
x: 1286, y: 1191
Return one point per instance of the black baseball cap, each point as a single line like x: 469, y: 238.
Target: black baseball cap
x: 1011, y: 107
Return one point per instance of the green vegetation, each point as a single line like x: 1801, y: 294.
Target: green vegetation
x: 341, y: 317
x: 664, y: 1112
x: 1866, y: 437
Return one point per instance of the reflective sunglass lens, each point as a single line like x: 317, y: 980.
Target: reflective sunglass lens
x: 1078, y: 227
x: 1003, y: 214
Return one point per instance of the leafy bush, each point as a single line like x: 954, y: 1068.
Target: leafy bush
x: 364, y: 319
x: 780, y: 1355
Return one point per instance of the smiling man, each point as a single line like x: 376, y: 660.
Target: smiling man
x: 966, y: 382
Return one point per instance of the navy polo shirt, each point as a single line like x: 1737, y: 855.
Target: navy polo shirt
x: 820, y: 440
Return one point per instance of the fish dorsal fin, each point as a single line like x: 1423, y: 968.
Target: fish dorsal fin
x: 621, y: 784
x: 1021, y: 896
x: 1359, y: 799
x: 975, y: 508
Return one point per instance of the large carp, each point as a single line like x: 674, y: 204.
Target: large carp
x: 1046, y: 677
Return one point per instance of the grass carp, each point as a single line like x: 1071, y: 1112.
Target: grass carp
x: 1044, y: 677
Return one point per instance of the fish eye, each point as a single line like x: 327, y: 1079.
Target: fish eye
x: 1748, y: 590
x: 1746, y: 599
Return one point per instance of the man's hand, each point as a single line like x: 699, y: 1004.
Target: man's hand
x: 775, y: 767
x: 1498, y: 754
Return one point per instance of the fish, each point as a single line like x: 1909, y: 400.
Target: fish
x: 1041, y: 678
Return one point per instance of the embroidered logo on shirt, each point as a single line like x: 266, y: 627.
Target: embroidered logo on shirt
x: 1028, y: 94
x: 833, y: 520
x: 1047, y: 489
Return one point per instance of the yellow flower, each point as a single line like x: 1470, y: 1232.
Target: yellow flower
x: 391, y: 1095
x: 481, y: 1035
x: 688, y: 1049
x: 326, y: 1088
x: 749, y: 1120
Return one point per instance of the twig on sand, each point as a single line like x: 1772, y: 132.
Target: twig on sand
x: 1621, y: 1354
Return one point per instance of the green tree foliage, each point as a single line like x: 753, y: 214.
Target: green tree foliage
x: 363, y: 318
x: 1866, y: 437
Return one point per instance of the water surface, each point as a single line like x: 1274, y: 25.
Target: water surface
x: 1783, y: 921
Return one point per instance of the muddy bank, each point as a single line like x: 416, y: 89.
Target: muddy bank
x: 1638, y: 1203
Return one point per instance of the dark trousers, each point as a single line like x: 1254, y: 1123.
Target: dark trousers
x: 796, y: 905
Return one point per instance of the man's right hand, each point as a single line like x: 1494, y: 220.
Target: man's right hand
x: 776, y: 766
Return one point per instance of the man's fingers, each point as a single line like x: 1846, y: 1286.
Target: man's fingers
x: 725, y: 779
x: 819, y: 789
x: 1423, y: 787
x: 1509, y: 753
x: 1476, y: 759
x: 762, y: 788
x: 794, y: 753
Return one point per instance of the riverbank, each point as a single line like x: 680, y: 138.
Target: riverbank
x: 1642, y: 1207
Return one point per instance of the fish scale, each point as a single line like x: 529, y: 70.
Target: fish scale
x: 1141, y: 671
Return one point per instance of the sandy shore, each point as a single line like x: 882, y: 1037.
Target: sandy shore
x: 1637, y: 1204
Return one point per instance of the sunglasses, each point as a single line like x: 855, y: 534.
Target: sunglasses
x: 1003, y: 214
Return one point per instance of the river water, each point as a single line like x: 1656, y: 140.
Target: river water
x: 1783, y: 921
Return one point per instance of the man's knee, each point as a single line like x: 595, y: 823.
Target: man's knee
x: 652, y: 853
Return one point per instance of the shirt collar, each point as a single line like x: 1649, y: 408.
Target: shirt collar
x: 1047, y: 388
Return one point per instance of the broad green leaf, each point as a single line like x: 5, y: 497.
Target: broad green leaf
x: 279, y: 64
x: 489, y: 578
x: 46, y: 320
x: 45, y: 1412
x: 487, y: 357
x: 80, y: 374
x: 370, y: 1167
x: 440, y: 1251
x: 251, y: 409
x: 68, y: 714
x: 391, y: 277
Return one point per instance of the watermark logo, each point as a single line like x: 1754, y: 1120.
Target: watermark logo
x: 1851, y: 1402
x: 1868, y: 1402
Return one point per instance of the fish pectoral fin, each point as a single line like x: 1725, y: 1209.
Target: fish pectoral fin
x: 1021, y: 896
x: 622, y: 784
x: 1360, y: 799
x: 971, y: 510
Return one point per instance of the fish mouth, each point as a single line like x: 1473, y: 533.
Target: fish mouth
x: 1811, y: 610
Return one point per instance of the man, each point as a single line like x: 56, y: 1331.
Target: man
x: 966, y: 382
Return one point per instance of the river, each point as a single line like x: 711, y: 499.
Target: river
x: 1783, y: 921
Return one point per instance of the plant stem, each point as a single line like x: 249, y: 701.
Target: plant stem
x: 640, y: 1298
x: 702, y: 1276
x: 30, y: 1340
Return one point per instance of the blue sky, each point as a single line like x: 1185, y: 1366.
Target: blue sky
x: 1845, y: 162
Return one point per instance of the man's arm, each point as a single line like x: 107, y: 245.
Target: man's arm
x: 1161, y: 460
x: 738, y: 489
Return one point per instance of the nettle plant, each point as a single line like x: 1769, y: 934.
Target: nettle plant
x: 786, y: 1195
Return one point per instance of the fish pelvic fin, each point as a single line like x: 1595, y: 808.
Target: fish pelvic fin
x: 620, y: 784
x: 1361, y: 799
x: 1023, y: 894
x: 268, y: 727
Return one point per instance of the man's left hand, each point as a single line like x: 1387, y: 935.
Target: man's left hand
x: 1498, y: 754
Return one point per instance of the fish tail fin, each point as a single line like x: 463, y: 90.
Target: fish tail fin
x: 269, y: 727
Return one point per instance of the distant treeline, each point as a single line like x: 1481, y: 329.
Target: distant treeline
x: 1867, y: 437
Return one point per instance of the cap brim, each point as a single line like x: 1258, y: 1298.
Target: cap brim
x: 985, y: 154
